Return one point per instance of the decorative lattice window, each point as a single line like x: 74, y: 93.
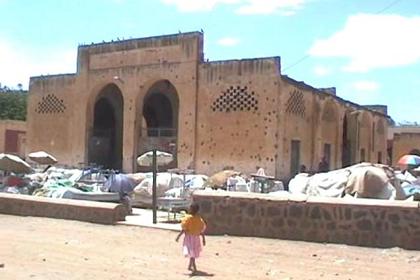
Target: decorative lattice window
x: 236, y: 99
x: 296, y: 104
x: 50, y: 104
x: 328, y: 114
x: 380, y: 128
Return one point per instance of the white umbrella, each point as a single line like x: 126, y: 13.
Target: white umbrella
x: 14, y: 164
x: 146, y: 159
x: 42, y: 157
x: 162, y: 158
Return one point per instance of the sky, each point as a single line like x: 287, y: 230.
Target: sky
x: 368, y: 49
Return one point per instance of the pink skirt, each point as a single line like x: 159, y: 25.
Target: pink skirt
x: 191, y: 246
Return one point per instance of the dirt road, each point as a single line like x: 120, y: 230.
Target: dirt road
x: 41, y: 248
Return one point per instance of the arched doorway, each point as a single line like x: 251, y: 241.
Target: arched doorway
x: 329, y: 134
x: 345, y: 152
x: 350, y: 138
x: 365, y: 136
x: 415, y: 152
x: 105, y: 138
x: 159, y: 116
x: 159, y: 128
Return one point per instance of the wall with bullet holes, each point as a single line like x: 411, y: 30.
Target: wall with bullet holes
x: 240, y: 113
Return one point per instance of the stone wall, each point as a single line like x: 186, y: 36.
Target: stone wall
x: 364, y: 222
x: 87, y: 211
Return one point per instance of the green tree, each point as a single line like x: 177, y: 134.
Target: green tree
x: 13, y: 104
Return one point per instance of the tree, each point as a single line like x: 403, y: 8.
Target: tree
x: 13, y: 103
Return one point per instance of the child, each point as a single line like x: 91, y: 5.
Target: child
x: 192, y: 226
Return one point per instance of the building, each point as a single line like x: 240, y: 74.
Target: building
x: 403, y: 140
x: 13, y: 137
x: 130, y: 96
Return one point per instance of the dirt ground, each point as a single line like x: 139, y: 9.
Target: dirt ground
x: 41, y: 248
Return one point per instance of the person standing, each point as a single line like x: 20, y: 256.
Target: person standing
x: 323, y: 165
x: 193, y: 226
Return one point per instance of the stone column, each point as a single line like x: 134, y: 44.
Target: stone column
x: 129, y: 132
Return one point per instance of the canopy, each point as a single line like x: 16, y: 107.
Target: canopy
x: 409, y: 160
x: 14, y: 164
x: 42, y: 157
x: 162, y: 158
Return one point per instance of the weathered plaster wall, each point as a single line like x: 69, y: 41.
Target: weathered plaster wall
x: 364, y: 222
x: 316, y: 118
x: 329, y: 129
x: 379, y: 149
x: 133, y: 66
x: 271, y: 110
x: 299, y: 111
x: 171, y: 58
x: 403, y: 144
x: 52, y: 105
x: 365, y: 136
x: 237, y: 121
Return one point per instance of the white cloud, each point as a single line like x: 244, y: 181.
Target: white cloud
x: 245, y: 7
x: 321, y: 71
x: 284, y: 7
x: 197, y: 5
x: 17, y: 65
x: 373, y: 41
x: 365, y: 86
x: 228, y: 41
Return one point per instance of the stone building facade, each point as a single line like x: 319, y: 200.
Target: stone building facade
x: 130, y: 96
x: 403, y: 140
x: 13, y: 137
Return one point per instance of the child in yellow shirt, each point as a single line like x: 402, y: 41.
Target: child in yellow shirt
x: 192, y: 226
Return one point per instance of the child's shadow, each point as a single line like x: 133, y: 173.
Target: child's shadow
x: 201, y: 273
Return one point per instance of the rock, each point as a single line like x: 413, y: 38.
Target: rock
x: 1, y: 265
x: 217, y: 254
x: 44, y: 259
x: 314, y: 255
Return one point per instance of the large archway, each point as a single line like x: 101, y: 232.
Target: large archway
x: 105, y: 137
x: 158, y: 114
x: 159, y: 125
